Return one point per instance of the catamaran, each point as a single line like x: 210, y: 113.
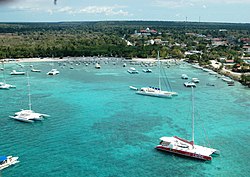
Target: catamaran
x: 156, y: 91
x: 184, y: 147
x: 6, y: 161
x: 28, y: 115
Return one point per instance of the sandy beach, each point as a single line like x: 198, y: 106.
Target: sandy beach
x: 26, y: 60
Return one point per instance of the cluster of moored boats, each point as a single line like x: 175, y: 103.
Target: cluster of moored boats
x: 172, y: 144
x: 228, y: 80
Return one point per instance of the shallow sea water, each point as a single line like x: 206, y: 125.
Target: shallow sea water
x: 99, y: 127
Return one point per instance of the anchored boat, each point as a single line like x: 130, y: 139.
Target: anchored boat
x: 184, y: 147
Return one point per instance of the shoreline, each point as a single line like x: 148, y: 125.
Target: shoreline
x: 30, y: 60
x: 215, y: 66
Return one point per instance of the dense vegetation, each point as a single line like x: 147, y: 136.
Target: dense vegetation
x: 25, y: 40
x: 19, y: 40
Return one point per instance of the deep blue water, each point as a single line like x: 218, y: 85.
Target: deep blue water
x: 99, y: 127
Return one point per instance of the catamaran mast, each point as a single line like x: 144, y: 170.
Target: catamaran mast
x: 29, y: 95
x: 3, y: 73
x: 158, y: 56
x: 192, y: 115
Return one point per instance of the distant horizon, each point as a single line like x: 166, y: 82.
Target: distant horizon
x: 215, y: 11
x: 79, y: 21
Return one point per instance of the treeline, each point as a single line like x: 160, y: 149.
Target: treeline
x: 18, y: 40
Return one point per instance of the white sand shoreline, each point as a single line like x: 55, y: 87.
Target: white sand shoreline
x: 31, y: 60
x: 47, y: 59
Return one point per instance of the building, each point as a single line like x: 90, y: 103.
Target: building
x: 246, y: 49
x: 219, y: 42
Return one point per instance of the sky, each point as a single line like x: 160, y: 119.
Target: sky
x: 235, y: 11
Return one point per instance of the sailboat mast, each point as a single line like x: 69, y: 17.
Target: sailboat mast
x: 193, y: 115
x: 28, y: 84
x: 159, y: 67
x: 3, y: 73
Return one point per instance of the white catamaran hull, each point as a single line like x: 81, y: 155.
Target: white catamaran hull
x: 155, y: 94
x: 183, y: 147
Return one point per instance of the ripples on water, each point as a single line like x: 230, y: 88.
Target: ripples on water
x: 98, y: 127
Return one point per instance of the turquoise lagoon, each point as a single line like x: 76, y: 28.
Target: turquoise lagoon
x: 99, y: 127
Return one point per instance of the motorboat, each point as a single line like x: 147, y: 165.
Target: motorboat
x: 53, y: 72
x: 97, y: 66
x: 6, y: 161
x: 187, y: 148
x: 206, y: 70
x: 197, y: 66
x: 35, y: 70
x: 228, y: 80
x: 184, y: 76
x: 147, y: 70
x: 195, y: 80
x: 6, y: 86
x: 189, y: 84
x: 132, y: 70
x: 124, y: 65
x: 133, y: 88
x: 212, y: 73
x: 14, y: 72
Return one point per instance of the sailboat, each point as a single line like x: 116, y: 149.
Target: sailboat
x: 156, y: 91
x: 28, y: 115
x: 4, y: 85
x: 187, y: 148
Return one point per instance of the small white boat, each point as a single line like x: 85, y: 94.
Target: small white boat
x: 195, y: 80
x: 35, y: 70
x: 197, y: 66
x: 212, y: 73
x: 228, y: 80
x: 6, y: 161
x: 189, y: 84
x: 206, y: 70
x: 6, y: 86
x: 132, y: 71
x: 14, y: 72
x: 147, y: 70
x: 184, y: 76
x: 97, y: 66
x: 133, y: 88
x: 53, y: 72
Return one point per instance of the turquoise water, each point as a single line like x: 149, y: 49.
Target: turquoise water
x: 98, y: 127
